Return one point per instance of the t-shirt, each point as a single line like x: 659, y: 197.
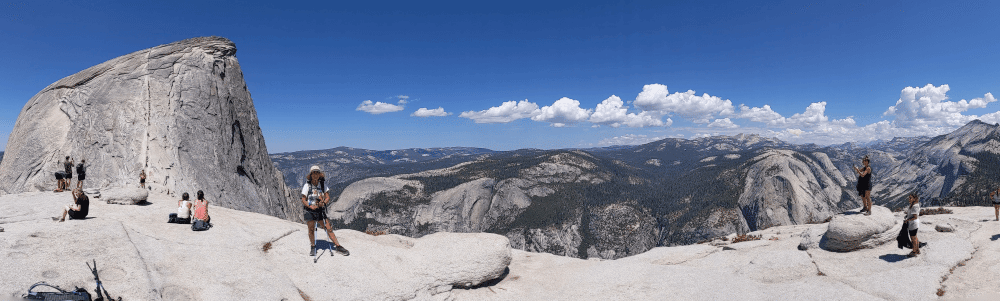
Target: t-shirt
x: 313, y: 193
x: 914, y: 210
x: 183, y: 211
x: 84, y: 203
x: 68, y: 166
x: 80, y: 169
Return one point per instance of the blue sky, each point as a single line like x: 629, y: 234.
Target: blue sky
x: 821, y: 72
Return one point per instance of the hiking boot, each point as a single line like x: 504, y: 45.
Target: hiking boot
x: 312, y: 251
x: 868, y: 213
x: 342, y: 250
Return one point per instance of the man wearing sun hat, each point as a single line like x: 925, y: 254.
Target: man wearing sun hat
x: 315, y: 197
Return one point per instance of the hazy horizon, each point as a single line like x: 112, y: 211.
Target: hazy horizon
x: 549, y: 75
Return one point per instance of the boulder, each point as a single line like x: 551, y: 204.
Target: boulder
x: 811, y: 237
x: 853, y: 231
x: 125, y: 196
x: 181, y: 111
x: 946, y: 227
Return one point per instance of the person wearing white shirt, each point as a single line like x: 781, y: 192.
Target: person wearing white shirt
x: 315, y: 197
x: 912, y: 217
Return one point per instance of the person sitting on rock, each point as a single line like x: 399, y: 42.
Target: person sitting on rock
x: 315, y: 196
x: 79, y: 208
x: 68, y: 173
x: 201, y: 208
x: 183, y: 215
x: 81, y: 174
x: 913, y: 214
x: 995, y: 197
x: 142, y: 179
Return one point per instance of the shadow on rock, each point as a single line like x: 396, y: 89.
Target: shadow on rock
x: 995, y: 237
x: 892, y: 257
x: 506, y: 271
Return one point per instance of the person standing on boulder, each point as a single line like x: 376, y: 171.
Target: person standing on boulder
x: 81, y: 174
x: 912, y: 217
x: 865, y: 185
x: 315, y: 197
x: 142, y: 179
x: 995, y: 197
x: 79, y: 208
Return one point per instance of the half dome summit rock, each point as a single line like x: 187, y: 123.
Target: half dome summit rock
x: 179, y: 111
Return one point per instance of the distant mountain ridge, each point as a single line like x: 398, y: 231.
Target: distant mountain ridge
x: 618, y: 201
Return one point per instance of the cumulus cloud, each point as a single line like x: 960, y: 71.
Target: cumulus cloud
x: 612, y: 112
x: 380, y: 107
x: 927, y: 105
x: 700, y: 109
x: 563, y: 111
x: 763, y: 114
x: 424, y: 112
x: 506, y: 112
x: 629, y: 139
x: 723, y: 123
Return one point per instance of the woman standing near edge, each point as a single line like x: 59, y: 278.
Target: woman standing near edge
x: 315, y: 197
x: 865, y: 185
x: 995, y: 198
x: 913, y: 214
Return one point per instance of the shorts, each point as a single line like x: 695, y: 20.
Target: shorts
x: 81, y: 177
x: 317, y: 215
x: 73, y: 214
x: 913, y: 232
x: 59, y: 175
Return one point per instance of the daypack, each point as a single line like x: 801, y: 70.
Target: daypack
x: 200, y: 225
x: 903, y: 240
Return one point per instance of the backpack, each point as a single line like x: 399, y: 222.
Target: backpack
x: 200, y: 225
x: 80, y: 169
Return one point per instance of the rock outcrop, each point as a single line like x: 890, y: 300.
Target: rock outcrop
x: 853, y: 231
x: 179, y: 111
x: 125, y: 196
x: 245, y: 256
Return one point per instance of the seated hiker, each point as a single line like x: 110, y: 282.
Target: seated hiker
x: 79, y: 208
x: 59, y: 181
x: 201, y: 208
x: 183, y: 215
x: 315, y: 197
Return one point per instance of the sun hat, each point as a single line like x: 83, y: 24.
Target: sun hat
x: 314, y: 168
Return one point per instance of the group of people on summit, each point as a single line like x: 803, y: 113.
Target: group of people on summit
x: 911, y: 221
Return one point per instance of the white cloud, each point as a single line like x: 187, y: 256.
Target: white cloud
x: 379, y: 107
x: 813, y: 116
x: 629, y: 139
x: 612, y: 112
x: 506, y: 112
x: 723, y: 123
x: 656, y: 98
x: 424, y: 112
x: 563, y: 111
x: 402, y: 97
x: 927, y: 106
x: 764, y: 114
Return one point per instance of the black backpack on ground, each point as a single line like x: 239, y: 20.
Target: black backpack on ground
x: 200, y: 225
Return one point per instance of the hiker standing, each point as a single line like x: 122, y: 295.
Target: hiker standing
x: 68, y: 175
x: 913, y: 214
x: 865, y: 185
x: 81, y: 173
x: 315, y: 197
x: 142, y: 179
x: 995, y: 197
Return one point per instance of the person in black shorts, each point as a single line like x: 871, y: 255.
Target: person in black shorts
x: 81, y: 173
x: 79, y: 209
x: 59, y: 181
x: 865, y: 185
x: 315, y: 197
x: 142, y: 179
x: 995, y: 199
x: 68, y: 173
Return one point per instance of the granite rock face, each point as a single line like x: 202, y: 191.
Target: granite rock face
x: 855, y: 231
x: 125, y: 196
x: 179, y: 111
